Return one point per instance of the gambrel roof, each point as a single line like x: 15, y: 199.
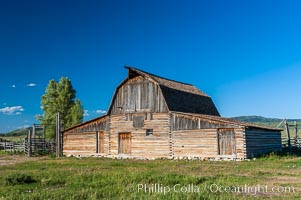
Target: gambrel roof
x: 181, y: 97
x: 185, y: 87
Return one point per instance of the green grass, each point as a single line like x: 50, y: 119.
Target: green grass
x: 95, y: 178
x: 2, y: 152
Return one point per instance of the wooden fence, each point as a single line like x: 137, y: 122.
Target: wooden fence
x: 293, y: 142
x: 12, y: 146
x: 38, y: 146
x: 34, y: 146
x: 35, y: 143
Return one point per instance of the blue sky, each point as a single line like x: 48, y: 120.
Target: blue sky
x: 245, y: 54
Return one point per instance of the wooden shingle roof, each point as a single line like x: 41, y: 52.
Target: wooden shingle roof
x: 181, y: 97
x: 185, y: 87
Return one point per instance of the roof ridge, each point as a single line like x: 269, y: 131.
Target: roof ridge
x: 185, y: 87
x: 135, y: 69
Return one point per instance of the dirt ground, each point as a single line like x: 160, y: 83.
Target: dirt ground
x: 14, y: 159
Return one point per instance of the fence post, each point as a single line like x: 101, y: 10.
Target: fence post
x: 58, y: 137
x: 287, y: 134
x: 29, y: 143
x: 61, y: 141
x: 296, y: 130
x: 44, y: 136
x: 33, y: 131
x: 24, y: 145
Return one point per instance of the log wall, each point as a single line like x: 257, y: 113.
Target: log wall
x: 240, y: 143
x: 261, y: 141
x: 203, y: 143
x: 155, y: 145
x: 195, y: 136
x: 82, y: 139
x: 156, y: 135
x: 195, y: 143
x: 79, y: 144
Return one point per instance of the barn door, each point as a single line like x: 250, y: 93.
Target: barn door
x: 100, y: 142
x: 226, y: 142
x: 124, y: 143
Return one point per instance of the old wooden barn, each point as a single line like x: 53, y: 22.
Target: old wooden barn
x: 154, y: 117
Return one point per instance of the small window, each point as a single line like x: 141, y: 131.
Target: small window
x: 138, y: 121
x: 148, y: 132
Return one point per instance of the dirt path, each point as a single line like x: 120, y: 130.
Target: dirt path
x: 14, y: 159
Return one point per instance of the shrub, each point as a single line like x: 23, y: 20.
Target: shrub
x: 15, y: 179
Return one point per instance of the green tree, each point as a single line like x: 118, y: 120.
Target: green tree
x: 60, y: 98
x: 77, y: 112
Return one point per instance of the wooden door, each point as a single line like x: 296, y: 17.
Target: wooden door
x: 226, y: 142
x: 100, y: 142
x: 124, y: 143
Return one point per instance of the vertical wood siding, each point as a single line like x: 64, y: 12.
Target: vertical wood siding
x: 192, y: 122
x: 100, y: 124
x: 137, y: 94
x: 226, y: 142
x: 124, y: 143
x: 101, y: 143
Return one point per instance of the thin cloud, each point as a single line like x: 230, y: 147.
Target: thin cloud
x: 94, y: 113
x: 13, y: 110
x: 86, y: 113
x: 13, y: 86
x: 101, y: 111
x: 31, y: 85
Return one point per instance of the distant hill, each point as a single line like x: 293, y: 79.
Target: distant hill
x: 272, y: 122
x: 23, y: 132
x: 260, y: 119
x: 256, y: 119
x: 18, y: 132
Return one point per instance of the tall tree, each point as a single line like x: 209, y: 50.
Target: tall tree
x: 77, y: 112
x: 59, y: 97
